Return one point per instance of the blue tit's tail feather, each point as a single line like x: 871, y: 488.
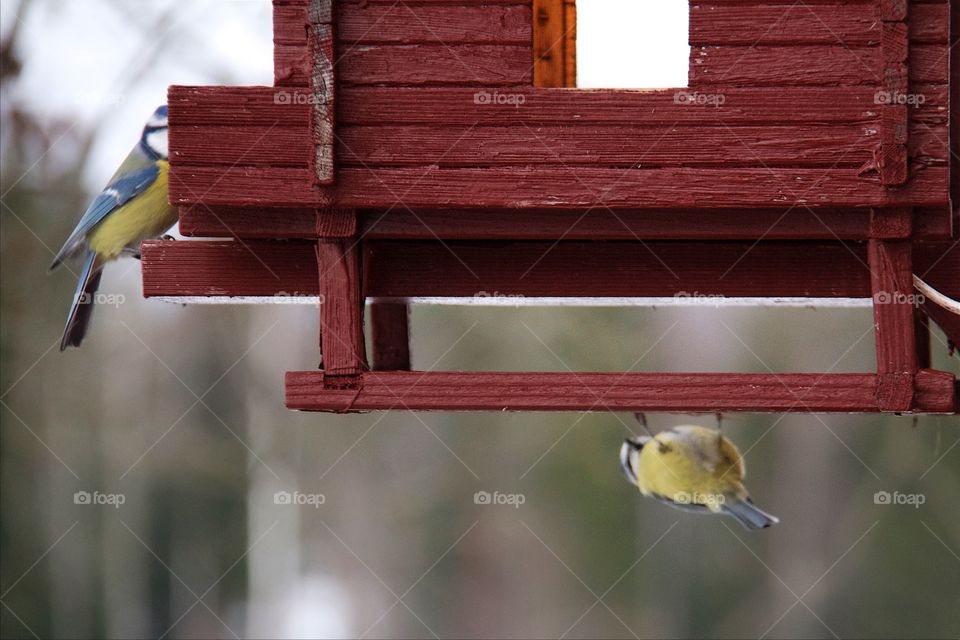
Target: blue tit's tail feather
x: 748, y: 514
x: 82, y: 309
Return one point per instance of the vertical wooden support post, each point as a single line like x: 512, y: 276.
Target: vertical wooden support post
x: 390, y: 333
x: 894, y: 47
x: 323, y: 86
x: 889, y: 253
x: 922, y: 333
x: 554, y: 43
x: 341, y: 299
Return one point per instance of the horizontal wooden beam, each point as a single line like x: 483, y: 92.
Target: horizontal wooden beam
x: 544, y: 224
x: 672, y: 392
x: 407, y: 23
x: 537, y: 269
x: 803, y: 145
x: 269, y: 106
x: 559, y: 187
x: 722, y: 23
x: 808, y: 65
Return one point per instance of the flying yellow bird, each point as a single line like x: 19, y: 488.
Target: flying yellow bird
x: 692, y: 468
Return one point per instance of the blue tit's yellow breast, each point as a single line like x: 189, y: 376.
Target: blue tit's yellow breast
x: 146, y: 216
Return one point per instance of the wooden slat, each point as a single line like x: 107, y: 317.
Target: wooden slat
x: 620, y: 269
x: 807, y: 65
x: 686, y: 392
x: 608, y: 145
x: 269, y: 106
x: 656, y: 188
x: 406, y: 23
x: 624, y: 146
x: 341, y: 311
x: 466, y: 64
x: 894, y: 307
x: 238, y: 107
x: 554, y: 187
x: 541, y: 224
x: 390, y: 333
x: 429, y: 105
x: 798, y: 65
x: 954, y: 105
x: 851, y: 24
x: 435, y: 64
x: 554, y: 44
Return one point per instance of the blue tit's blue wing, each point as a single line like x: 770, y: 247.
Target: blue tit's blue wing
x: 123, y: 188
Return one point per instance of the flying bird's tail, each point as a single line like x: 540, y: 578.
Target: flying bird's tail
x: 82, y: 309
x: 748, y: 514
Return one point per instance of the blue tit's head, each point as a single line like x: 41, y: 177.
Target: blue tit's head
x: 630, y: 456
x: 154, y: 138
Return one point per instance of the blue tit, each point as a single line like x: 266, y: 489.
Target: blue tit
x: 692, y: 468
x: 132, y: 207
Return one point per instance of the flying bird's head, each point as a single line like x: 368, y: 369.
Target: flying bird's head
x: 630, y: 456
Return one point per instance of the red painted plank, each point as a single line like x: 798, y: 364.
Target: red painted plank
x: 269, y: 106
x: 929, y: 64
x: 433, y: 64
x: 851, y: 24
x: 607, y: 145
x: 468, y: 64
x: 778, y: 66
x: 463, y: 146
x: 239, y: 106
x: 573, y: 187
x: 807, y: 65
x: 390, y: 333
x: 894, y: 306
x: 621, y: 269
x: 404, y: 23
x: 451, y: 105
x: 686, y: 392
x: 654, y: 188
x: 540, y: 224
x: 246, y: 186
x: 341, y: 310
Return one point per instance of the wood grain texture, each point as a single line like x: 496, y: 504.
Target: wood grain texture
x: 270, y: 106
x: 323, y: 87
x: 612, y: 269
x: 596, y: 145
x: 390, y: 336
x: 894, y: 306
x: 554, y: 43
x: 341, y: 311
x: 545, y: 224
x: 799, y: 145
x: 452, y: 105
x: 851, y: 24
x: 554, y: 187
x: 461, y: 23
x: 687, y: 392
x: 808, y: 65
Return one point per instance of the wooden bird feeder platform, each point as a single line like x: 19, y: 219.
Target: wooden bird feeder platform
x: 435, y: 149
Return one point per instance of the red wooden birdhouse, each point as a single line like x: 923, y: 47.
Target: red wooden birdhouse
x: 436, y: 149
